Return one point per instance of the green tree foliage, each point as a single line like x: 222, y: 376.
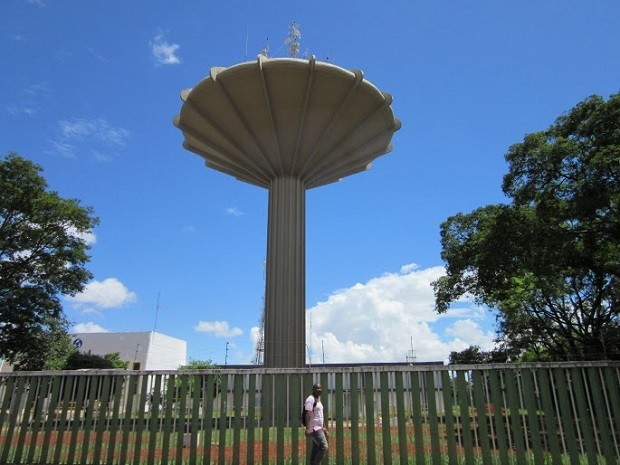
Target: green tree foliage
x: 473, y: 355
x: 81, y: 361
x: 42, y: 256
x: 52, y: 345
x: 198, y: 365
x: 194, y: 382
x: 549, y: 261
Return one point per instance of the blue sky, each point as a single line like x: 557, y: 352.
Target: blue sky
x: 89, y: 90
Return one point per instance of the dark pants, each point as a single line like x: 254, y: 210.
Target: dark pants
x: 319, y: 447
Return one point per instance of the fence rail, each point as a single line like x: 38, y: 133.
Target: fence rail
x: 488, y: 414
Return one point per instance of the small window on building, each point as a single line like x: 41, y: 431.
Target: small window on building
x: 136, y: 365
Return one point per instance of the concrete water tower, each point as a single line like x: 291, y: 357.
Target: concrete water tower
x: 287, y: 125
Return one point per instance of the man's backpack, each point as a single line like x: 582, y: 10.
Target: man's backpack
x: 303, y: 412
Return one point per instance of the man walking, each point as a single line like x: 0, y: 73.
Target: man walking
x: 315, y: 428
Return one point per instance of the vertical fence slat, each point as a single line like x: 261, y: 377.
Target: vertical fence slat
x: 514, y: 407
x: 385, y: 418
x: 7, y: 392
x: 499, y: 414
x: 306, y: 389
x: 38, y: 417
x: 16, y: 399
x: 237, y: 405
x: 433, y: 420
x: 280, y: 413
x: 251, y: 417
x: 223, y: 418
x: 82, y: 382
x: 567, y: 416
x: 339, y: 407
x: 369, y: 404
x: 196, y: 396
x: 602, y: 428
x: 172, y: 385
x: 481, y: 415
x: 127, y: 426
x: 612, y: 384
x: 325, y: 400
x: 25, y: 421
x: 354, y: 392
x: 295, y: 406
x: 181, y: 419
x: 532, y: 426
x: 156, y: 404
x: 266, y: 416
x: 101, y: 417
x: 550, y: 419
x: 465, y: 426
x: 417, y: 417
x: 119, y: 382
x: 52, y: 402
x: 209, y: 384
x: 401, y: 418
x: 448, y: 402
x: 62, y: 422
x: 144, y: 383
x: 585, y: 426
x: 51, y: 398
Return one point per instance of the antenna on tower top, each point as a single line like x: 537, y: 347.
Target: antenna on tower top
x: 294, y: 34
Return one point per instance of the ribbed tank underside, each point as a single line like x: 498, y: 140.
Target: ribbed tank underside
x: 287, y: 117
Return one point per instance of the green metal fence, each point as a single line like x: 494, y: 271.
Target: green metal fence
x: 483, y: 414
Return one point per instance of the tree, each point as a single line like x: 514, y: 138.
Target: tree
x: 80, y: 361
x: 52, y: 346
x: 192, y: 381
x: 549, y: 261
x: 43, y: 252
x: 473, y: 355
x: 198, y: 365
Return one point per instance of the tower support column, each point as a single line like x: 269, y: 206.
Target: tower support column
x: 285, y: 300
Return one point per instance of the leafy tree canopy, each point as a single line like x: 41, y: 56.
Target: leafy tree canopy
x: 43, y: 253
x: 198, y: 365
x: 81, y: 361
x: 473, y: 355
x: 549, y: 261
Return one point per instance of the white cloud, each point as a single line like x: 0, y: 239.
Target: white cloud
x: 109, y: 293
x: 97, y: 129
x: 94, y: 135
x: 234, y: 211
x: 377, y: 322
x: 88, y: 237
x: 164, y: 52
x: 255, y: 334
x: 89, y: 327
x: 218, y: 328
x: 28, y: 100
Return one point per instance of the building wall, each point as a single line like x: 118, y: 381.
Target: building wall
x: 143, y: 350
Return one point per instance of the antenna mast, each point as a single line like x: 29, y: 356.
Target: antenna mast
x: 156, y: 313
x: 294, y: 34
x: 260, y: 343
x: 411, y: 357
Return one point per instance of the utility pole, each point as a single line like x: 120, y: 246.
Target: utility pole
x: 226, y: 356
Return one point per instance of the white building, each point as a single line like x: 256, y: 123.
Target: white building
x: 143, y: 350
